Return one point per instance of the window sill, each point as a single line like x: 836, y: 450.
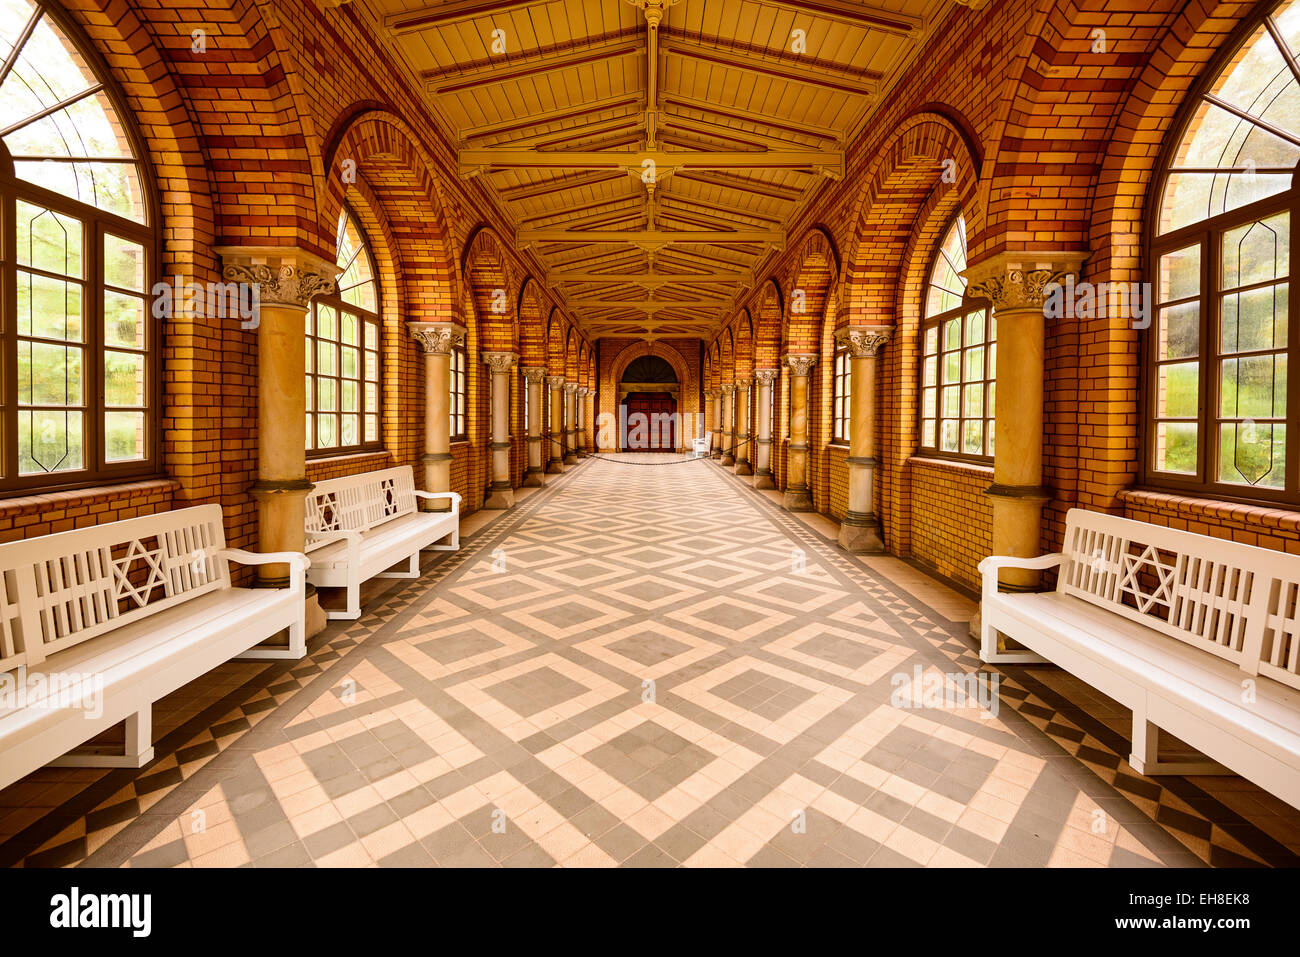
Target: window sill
x: 955, y: 465
x: 326, y: 461
x: 72, y: 498
x: 1209, y: 508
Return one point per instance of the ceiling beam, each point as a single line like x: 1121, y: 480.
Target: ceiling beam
x: 557, y: 184
x: 437, y: 15
x: 752, y: 58
x: 648, y: 280
x: 657, y: 304
x: 666, y: 162
x: 751, y: 117
x: 655, y: 237
x: 557, y: 115
x: 744, y: 184
x: 561, y: 56
x: 858, y: 15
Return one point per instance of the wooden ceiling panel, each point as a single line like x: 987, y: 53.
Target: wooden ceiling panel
x: 569, y: 85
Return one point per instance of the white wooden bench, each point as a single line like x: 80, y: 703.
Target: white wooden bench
x: 360, y: 526
x: 1200, y: 637
x: 98, y: 623
x: 700, y: 446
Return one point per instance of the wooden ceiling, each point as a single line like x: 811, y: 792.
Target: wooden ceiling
x: 652, y: 152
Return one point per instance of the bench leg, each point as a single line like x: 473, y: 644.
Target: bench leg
x: 1145, y: 758
x: 353, y: 610
x: 412, y: 569
x: 137, y: 751
x: 452, y: 546
x: 991, y: 654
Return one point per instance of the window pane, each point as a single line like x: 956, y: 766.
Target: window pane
x: 124, y: 436
x: 49, y: 308
x: 1255, y: 320
x: 1254, y: 387
x: 124, y: 320
x: 124, y: 263
x: 48, y: 240
x: 1175, y: 447
x: 1256, y: 252
x: 49, y: 374
x: 1252, y: 453
x: 1179, y: 331
x: 49, y: 441
x: 1180, y: 274
x: 1178, y: 390
x: 123, y: 379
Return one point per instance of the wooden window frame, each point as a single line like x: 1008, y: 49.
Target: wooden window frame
x: 841, y: 397
x: 458, y: 389
x: 97, y: 225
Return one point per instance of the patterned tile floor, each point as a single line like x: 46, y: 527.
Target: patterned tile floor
x: 645, y: 666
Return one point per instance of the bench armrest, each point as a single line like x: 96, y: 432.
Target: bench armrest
x: 990, y: 566
x: 454, y: 496
x: 351, y: 536
x: 298, y: 563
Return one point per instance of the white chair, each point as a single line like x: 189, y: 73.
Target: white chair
x: 701, y: 445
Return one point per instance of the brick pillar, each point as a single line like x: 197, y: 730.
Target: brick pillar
x: 763, y: 446
x: 535, y: 472
x: 580, y: 417
x: 798, y: 497
x: 571, y: 429
x: 436, y: 340
x: 743, y: 436
x: 728, y: 424
x: 556, y: 452
x: 1014, y: 283
x: 500, y: 493
x: 860, y: 530
x: 287, y: 278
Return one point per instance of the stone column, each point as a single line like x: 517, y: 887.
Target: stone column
x: 1014, y: 284
x: 436, y: 340
x: 288, y: 279
x: 763, y: 445
x: 728, y: 424
x: 580, y: 417
x: 571, y: 431
x: 535, y: 471
x: 743, y: 430
x: 716, y: 451
x: 556, y: 451
x: 798, y: 497
x: 860, y: 530
x: 500, y: 493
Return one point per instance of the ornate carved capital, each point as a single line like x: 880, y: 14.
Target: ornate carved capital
x: 1018, y: 280
x: 766, y: 376
x: 285, y: 276
x: 437, y: 338
x: 500, y: 361
x: 571, y: 388
x: 728, y: 387
x: 584, y: 391
x: 864, y: 340
x: 800, y: 365
x: 744, y: 384
x: 533, y: 374
x: 555, y: 381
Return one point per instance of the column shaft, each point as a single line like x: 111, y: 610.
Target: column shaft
x: 860, y: 531
x: 728, y: 424
x: 743, y: 437
x: 763, y: 415
x: 556, y: 451
x: 798, y: 497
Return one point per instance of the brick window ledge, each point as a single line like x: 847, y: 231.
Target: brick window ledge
x: 85, y: 497
x: 1172, y: 503
x: 951, y: 465
x: 347, y: 458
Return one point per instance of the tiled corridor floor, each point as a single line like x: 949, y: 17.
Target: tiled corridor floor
x: 645, y: 665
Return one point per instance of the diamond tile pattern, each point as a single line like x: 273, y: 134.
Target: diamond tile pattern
x: 649, y: 666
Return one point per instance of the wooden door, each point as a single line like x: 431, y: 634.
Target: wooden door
x: 651, y: 422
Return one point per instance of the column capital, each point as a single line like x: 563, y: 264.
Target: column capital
x: 533, y: 373
x: 728, y: 387
x: 1019, y: 280
x: 744, y: 383
x: 583, y: 391
x: 864, y: 340
x: 571, y: 388
x: 766, y: 376
x: 500, y: 361
x: 710, y: 393
x: 555, y: 381
x: 801, y: 364
x: 284, y: 275
x: 436, y: 338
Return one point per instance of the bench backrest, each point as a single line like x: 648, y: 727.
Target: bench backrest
x: 1236, y: 601
x: 59, y: 590
x: 355, y: 503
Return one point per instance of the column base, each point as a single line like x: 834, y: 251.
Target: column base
x: 500, y: 498
x: 571, y: 458
x: 797, y: 500
x: 763, y: 479
x: 314, y: 615
x: 727, y: 459
x: 744, y: 468
x: 861, y: 538
x: 534, y: 478
x: 554, y: 467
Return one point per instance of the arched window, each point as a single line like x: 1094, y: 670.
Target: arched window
x: 78, y: 374
x: 1217, y: 411
x: 958, y: 358
x: 343, y: 361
